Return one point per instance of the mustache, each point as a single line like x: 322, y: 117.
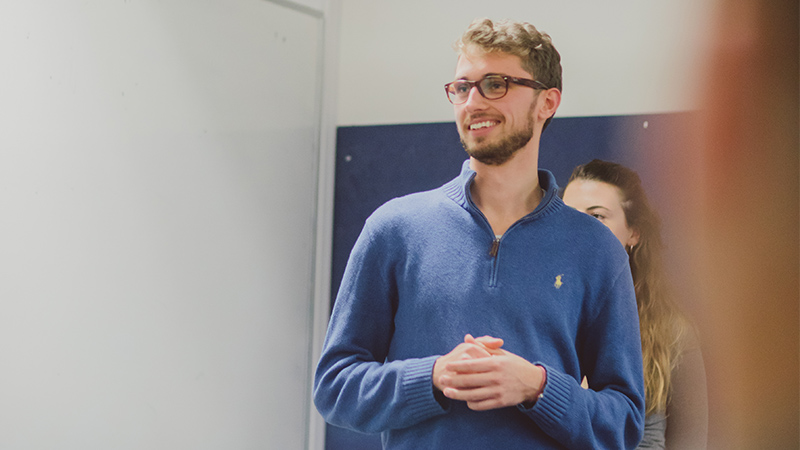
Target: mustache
x: 482, y: 116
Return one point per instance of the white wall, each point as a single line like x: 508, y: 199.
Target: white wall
x: 618, y: 56
x: 310, y: 5
x: 158, y: 184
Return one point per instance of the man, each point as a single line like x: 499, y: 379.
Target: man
x: 493, y: 253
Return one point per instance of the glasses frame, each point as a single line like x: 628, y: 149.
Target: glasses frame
x: 508, y: 79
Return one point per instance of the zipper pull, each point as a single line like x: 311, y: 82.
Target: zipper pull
x: 494, y: 248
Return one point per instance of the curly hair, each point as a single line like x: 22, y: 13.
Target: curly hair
x: 663, y: 326
x: 535, y: 49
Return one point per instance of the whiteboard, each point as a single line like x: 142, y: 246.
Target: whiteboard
x: 158, y: 180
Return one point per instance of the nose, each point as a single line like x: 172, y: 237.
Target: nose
x: 474, y: 100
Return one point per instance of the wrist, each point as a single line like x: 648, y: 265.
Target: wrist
x: 538, y: 393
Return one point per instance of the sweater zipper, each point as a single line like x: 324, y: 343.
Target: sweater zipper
x: 493, y: 250
x: 495, y: 246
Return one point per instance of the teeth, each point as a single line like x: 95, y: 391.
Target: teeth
x: 479, y: 125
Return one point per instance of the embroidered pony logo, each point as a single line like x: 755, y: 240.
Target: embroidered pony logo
x: 558, y: 282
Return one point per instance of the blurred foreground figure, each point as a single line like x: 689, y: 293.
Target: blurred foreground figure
x: 741, y: 192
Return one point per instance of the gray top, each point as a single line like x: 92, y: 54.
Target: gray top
x: 655, y: 430
x: 685, y: 424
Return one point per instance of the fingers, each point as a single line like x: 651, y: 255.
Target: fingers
x: 461, y: 359
x: 462, y: 352
x: 471, y: 351
x: 467, y: 381
x: 488, y: 342
x: 481, y: 398
x: 476, y: 388
x: 470, y: 395
x: 474, y: 365
x: 488, y: 383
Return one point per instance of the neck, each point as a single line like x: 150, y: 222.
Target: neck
x: 505, y: 193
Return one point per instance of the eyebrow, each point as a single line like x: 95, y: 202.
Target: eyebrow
x: 592, y: 208
x: 486, y: 75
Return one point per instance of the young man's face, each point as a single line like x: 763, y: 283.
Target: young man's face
x: 493, y: 130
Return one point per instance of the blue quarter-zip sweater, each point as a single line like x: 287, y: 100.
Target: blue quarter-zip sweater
x: 426, y: 270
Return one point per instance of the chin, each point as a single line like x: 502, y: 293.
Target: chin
x: 490, y: 157
x: 493, y: 155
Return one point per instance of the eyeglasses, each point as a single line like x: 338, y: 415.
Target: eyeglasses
x: 491, y: 87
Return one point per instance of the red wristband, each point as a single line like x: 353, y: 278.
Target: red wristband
x: 544, y: 381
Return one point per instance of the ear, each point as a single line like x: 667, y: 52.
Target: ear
x: 634, y: 239
x: 549, y: 101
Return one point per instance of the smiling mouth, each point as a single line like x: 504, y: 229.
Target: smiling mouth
x: 480, y: 125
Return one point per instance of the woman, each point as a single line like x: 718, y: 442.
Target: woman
x: 674, y: 375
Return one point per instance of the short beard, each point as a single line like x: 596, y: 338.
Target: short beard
x: 499, y: 153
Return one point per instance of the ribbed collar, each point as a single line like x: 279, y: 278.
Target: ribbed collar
x: 458, y: 190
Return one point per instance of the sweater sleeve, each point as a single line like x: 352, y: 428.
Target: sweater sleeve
x: 611, y: 413
x: 355, y: 386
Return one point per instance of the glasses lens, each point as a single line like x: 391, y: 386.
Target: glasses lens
x: 458, y: 91
x: 494, y: 87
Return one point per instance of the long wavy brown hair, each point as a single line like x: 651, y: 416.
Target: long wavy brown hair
x: 663, y: 326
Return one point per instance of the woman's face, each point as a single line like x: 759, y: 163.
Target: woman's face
x: 604, y: 202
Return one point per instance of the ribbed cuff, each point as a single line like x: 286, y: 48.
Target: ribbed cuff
x: 417, y: 380
x: 553, y: 403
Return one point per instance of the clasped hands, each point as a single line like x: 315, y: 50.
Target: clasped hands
x: 479, y: 372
